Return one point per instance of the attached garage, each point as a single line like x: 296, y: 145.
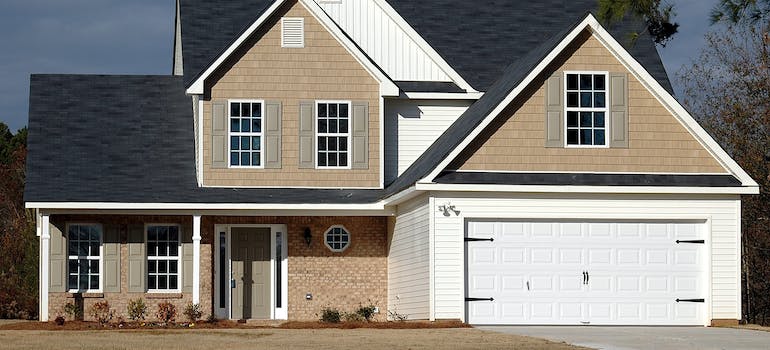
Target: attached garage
x: 592, y: 272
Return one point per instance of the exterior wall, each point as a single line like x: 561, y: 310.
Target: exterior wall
x: 657, y: 141
x: 409, y: 261
x: 723, y: 213
x: 399, y: 55
x: 322, y: 70
x: 411, y: 126
x: 346, y: 280
x: 119, y: 301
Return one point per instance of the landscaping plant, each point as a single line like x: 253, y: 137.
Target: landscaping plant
x: 101, y: 312
x: 73, y: 311
x: 137, y: 309
x: 331, y: 315
x: 193, y: 312
x: 166, y: 312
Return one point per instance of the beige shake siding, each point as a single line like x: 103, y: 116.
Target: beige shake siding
x: 322, y: 70
x: 658, y: 143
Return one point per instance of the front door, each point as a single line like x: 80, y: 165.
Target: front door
x: 251, y: 273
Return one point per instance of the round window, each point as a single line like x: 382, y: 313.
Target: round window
x: 337, y: 238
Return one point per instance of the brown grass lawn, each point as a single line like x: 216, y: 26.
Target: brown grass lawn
x: 265, y: 338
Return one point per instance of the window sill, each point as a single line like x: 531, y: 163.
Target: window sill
x: 85, y: 295
x: 163, y: 295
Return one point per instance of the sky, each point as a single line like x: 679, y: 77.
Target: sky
x: 136, y: 37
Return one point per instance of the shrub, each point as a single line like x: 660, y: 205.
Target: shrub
x: 73, y: 311
x: 59, y: 320
x: 166, y: 312
x: 101, y: 312
x: 366, y: 312
x: 395, y: 316
x: 212, y: 319
x: 330, y: 315
x: 193, y: 312
x: 137, y: 309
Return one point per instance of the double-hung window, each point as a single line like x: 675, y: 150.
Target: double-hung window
x: 163, y: 258
x: 84, y: 251
x: 333, y: 133
x: 246, y: 134
x: 586, y: 109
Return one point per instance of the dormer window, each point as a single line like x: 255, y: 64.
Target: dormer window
x: 586, y: 108
x: 293, y: 32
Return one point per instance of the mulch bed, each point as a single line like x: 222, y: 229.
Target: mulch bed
x: 94, y: 326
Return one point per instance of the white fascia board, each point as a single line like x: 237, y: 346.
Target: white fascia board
x: 200, y: 206
x: 429, y: 50
x: 663, y: 96
x: 442, y: 96
x: 586, y: 189
x: 387, y: 86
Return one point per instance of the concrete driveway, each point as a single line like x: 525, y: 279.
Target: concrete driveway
x: 658, y: 338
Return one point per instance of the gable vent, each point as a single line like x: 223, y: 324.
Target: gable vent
x: 293, y: 32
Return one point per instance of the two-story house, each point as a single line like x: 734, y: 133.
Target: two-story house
x: 516, y: 163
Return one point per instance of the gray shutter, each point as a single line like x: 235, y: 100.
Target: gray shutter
x: 618, y: 110
x: 57, y: 280
x: 187, y: 258
x: 306, y: 135
x: 111, y: 259
x: 272, y: 135
x: 360, y: 136
x: 554, y: 111
x: 137, y: 260
x: 219, y: 135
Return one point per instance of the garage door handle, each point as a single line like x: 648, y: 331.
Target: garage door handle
x: 470, y: 239
x: 479, y: 299
x: 694, y: 241
x: 690, y: 300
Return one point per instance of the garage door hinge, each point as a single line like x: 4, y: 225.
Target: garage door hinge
x: 469, y: 239
x: 690, y: 300
x: 479, y: 299
x: 696, y: 241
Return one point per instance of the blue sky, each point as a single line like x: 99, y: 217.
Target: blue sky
x: 135, y: 37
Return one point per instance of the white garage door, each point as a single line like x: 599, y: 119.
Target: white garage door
x: 598, y: 273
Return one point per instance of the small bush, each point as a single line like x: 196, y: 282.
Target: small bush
x: 73, y: 311
x: 193, y: 312
x: 212, y: 319
x: 101, y: 312
x: 166, y: 312
x: 137, y: 309
x: 395, y: 316
x: 366, y: 312
x: 59, y: 320
x: 330, y: 315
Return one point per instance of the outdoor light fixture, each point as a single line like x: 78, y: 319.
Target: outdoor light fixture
x: 308, y: 237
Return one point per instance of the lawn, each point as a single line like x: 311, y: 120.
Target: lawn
x: 268, y: 338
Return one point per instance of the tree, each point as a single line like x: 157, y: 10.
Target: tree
x: 728, y: 90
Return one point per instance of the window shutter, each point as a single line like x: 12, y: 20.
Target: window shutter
x: 137, y: 259
x: 554, y: 111
x: 219, y: 135
x: 272, y: 135
x: 360, y: 136
x: 619, y: 110
x: 111, y: 241
x: 306, y: 135
x: 185, y: 234
x: 57, y: 281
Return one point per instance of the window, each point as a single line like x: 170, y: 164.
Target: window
x: 333, y: 127
x: 163, y: 258
x: 337, y: 238
x: 586, y: 108
x: 293, y: 32
x: 84, y: 260
x: 246, y: 134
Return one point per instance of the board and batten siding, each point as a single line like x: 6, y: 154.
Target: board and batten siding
x: 408, y: 261
x: 658, y: 142
x: 322, y: 70
x: 411, y: 126
x: 721, y: 214
x: 380, y: 36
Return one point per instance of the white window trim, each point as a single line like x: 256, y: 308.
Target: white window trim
x: 283, y: 35
x: 349, y: 134
x: 326, y: 242
x: 101, y: 257
x: 261, y: 135
x: 180, y: 273
x: 606, y: 109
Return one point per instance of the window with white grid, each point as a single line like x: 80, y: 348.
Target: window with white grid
x: 337, y: 238
x: 333, y: 129
x: 163, y: 258
x: 245, y: 134
x: 84, y: 251
x: 586, y: 109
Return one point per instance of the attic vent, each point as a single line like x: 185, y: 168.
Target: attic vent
x: 293, y: 32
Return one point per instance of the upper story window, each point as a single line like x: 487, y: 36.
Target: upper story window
x: 163, y: 258
x: 84, y: 251
x: 246, y: 142
x: 586, y: 109
x: 333, y: 134
x: 293, y: 32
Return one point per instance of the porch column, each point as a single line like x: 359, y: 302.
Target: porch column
x: 196, y: 285
x: 45, y: 251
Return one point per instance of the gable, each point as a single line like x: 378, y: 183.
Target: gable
x: 658, y: 142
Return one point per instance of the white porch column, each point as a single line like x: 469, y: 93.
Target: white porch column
x: 45, y: 251
x: 196, y: 285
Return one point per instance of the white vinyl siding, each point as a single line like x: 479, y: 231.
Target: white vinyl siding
x: 408, y: 261
x: 411, y: 127
x: 721, y: 213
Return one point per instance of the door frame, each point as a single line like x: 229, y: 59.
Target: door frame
x: 276, y: 313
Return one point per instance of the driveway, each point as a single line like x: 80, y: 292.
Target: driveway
x: 658, y: 338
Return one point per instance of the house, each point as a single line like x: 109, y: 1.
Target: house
x: 517, y: 164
